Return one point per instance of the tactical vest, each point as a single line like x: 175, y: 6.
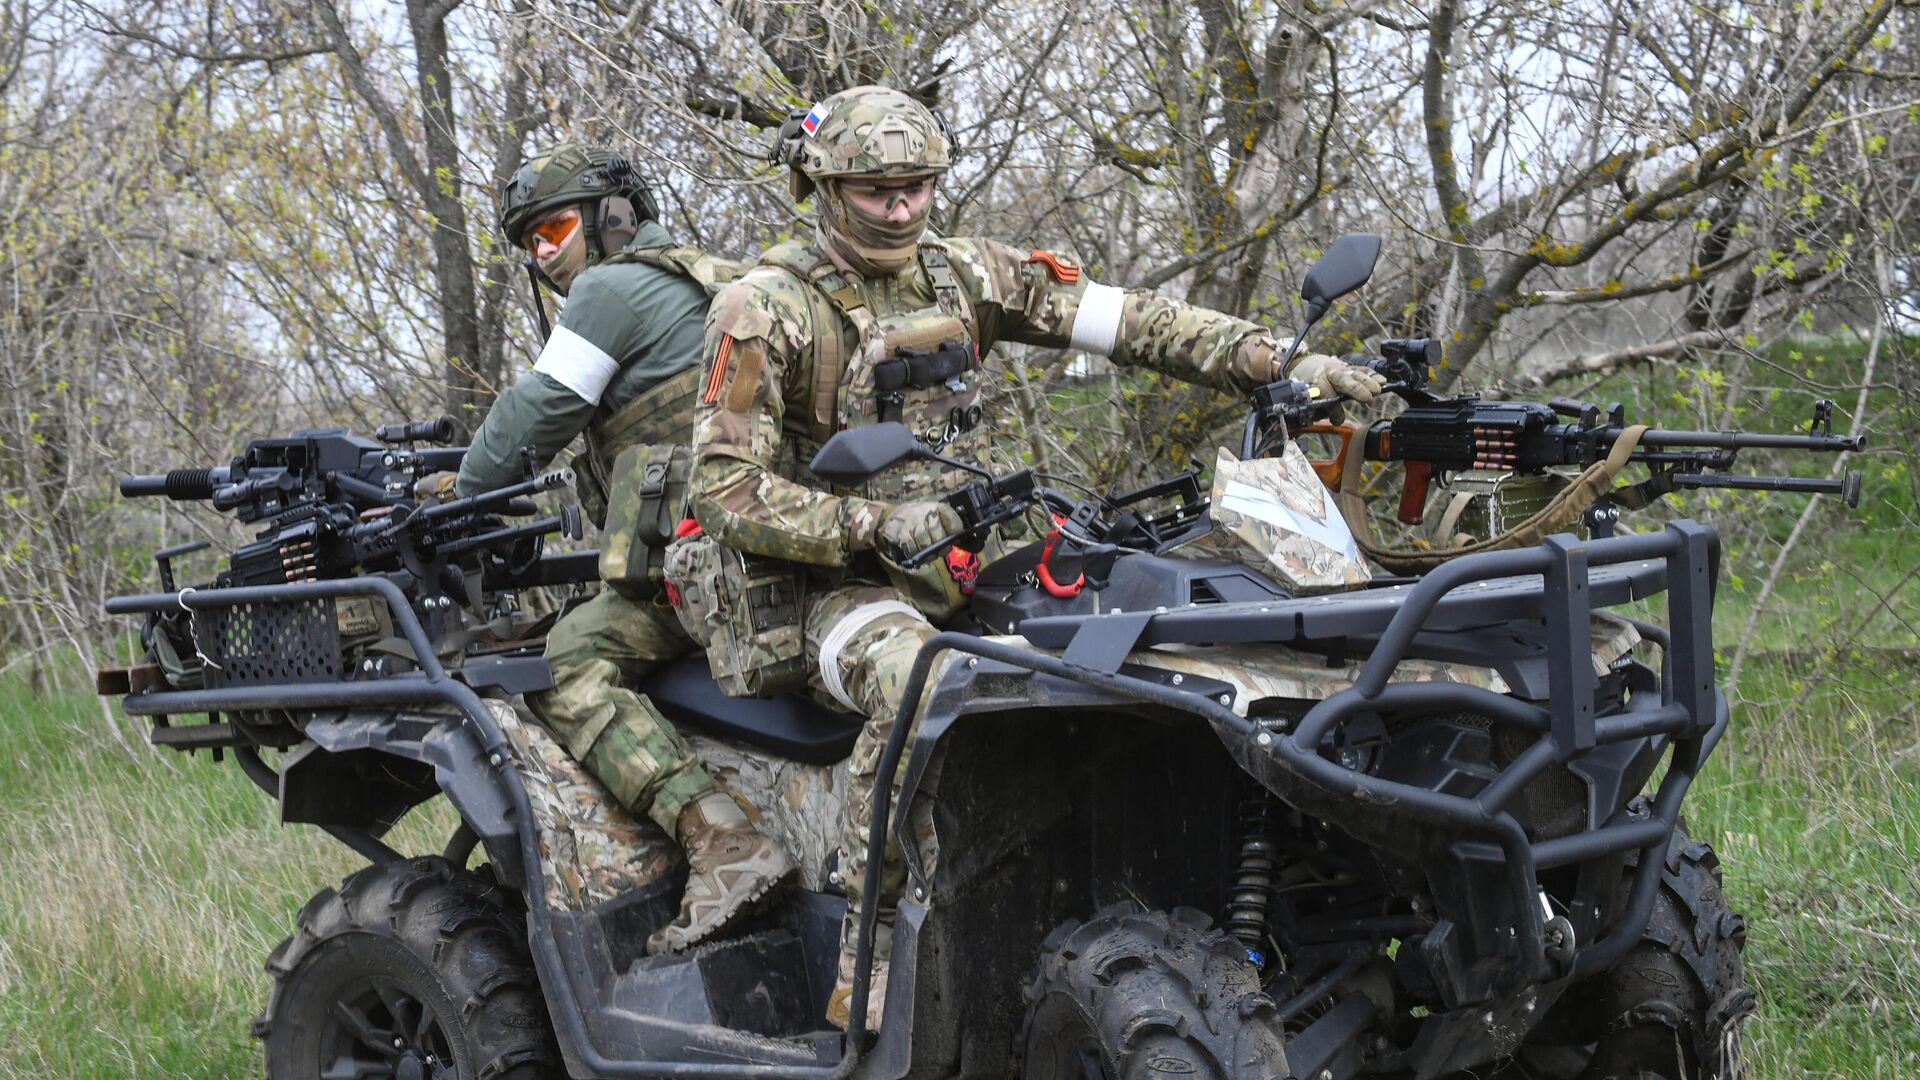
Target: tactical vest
x: 878, y: 356
x: 633, y: 478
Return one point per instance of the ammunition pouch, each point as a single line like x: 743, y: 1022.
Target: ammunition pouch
x: 661, y: 416
x: 746, y: 610
x: 648, y: 494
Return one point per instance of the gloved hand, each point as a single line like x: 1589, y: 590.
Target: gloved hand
x: 1334, y: 377
x: 435, y: 488
x: 910, y: 526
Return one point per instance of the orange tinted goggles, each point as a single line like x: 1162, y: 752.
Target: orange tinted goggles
x: 555, y: 230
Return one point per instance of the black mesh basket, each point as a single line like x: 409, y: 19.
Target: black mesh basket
x: 271, y: 644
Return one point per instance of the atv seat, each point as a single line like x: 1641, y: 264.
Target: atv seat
x: 790, y: 726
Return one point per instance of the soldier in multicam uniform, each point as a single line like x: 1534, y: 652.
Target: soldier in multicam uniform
x: 621, y: 367
x: 873, y: 321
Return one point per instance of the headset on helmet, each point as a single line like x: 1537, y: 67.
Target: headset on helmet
x: 573, y: 173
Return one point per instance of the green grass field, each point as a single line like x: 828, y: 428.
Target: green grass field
x: 139, y: 895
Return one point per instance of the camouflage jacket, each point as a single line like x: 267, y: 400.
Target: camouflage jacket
x: 761, y: 411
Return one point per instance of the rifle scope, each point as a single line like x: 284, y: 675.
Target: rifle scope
x: 434, y: 431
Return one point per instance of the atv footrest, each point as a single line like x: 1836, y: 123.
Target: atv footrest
x: 757, y: 984
x: 195, y: 736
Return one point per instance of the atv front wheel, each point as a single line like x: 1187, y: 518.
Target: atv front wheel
x: 1671, y: 1008
x: 1136, y: 995
x: 411, y: 969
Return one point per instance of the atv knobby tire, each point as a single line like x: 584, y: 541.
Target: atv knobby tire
x: 414, y: 969
x: 1138, y: 995
x: 1671, y: 1008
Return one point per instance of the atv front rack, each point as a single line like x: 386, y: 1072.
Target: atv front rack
x: 1559, y: 583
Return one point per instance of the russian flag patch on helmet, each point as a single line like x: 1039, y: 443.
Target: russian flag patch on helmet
x: 812, y: 122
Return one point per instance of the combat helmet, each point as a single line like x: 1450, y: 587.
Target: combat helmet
x: 577, y: 173
x: 865, y: 131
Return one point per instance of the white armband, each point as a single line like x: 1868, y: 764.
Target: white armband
x: 1096, y: 325
x: 577, y: 364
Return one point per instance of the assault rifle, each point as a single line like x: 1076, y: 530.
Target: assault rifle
x: 1438, y: 435
x: 337, y: 505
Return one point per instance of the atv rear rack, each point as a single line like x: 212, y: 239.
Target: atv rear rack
x: 1561, y: 581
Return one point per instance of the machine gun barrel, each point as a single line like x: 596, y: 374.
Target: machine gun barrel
x: 497, y: 497
x: 1748, y: 440
x: 507, y: 535
x: 180, y: 485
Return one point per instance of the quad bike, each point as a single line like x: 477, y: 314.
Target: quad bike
x: 1193, y: 791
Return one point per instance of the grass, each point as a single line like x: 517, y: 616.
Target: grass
x: 1814, y: 800
x: 1815, y: 810
x: 139, y: 895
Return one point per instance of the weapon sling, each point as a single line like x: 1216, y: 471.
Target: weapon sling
x: 1563, y: 511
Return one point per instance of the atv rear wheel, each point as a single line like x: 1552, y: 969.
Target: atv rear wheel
x: 414, y: 969
x: 1671, y: 1008
x: 1136, y: 995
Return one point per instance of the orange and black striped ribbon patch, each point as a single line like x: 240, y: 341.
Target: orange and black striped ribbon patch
x: 1061, y: 270
x: 718, y: 376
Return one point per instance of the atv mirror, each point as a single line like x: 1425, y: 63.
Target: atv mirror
x: 857, y: 453
x: 1345, y: 267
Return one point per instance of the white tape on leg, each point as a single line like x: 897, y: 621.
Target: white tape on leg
x: 842, y: 632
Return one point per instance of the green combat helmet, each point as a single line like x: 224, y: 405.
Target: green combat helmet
x: 866, y: 131
x: 576, y: 173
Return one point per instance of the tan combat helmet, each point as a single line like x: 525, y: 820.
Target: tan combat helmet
x: 865, y: 131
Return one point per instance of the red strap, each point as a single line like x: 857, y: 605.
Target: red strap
x: 1045, y: 573
x: 687, y: 527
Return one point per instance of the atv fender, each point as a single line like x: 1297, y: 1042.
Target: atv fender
x: 362, y: 763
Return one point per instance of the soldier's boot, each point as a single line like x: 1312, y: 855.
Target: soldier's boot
x: 730, y: 865
x: 840, y: 1002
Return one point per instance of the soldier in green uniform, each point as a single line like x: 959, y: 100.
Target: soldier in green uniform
x: 872, y: 320
x: 620, y: 367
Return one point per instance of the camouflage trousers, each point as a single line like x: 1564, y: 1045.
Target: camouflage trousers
x: 599, y: 652
x: 870, y: 667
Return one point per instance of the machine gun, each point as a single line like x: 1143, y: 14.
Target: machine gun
x: 335, y: 505
x: 1435, y: 435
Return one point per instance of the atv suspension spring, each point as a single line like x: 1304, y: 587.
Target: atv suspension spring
x: 1255, y: 868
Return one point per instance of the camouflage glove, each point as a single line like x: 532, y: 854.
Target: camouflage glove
x: 435, y: 488
x: 909, y: 527
x: 1334, y: 377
